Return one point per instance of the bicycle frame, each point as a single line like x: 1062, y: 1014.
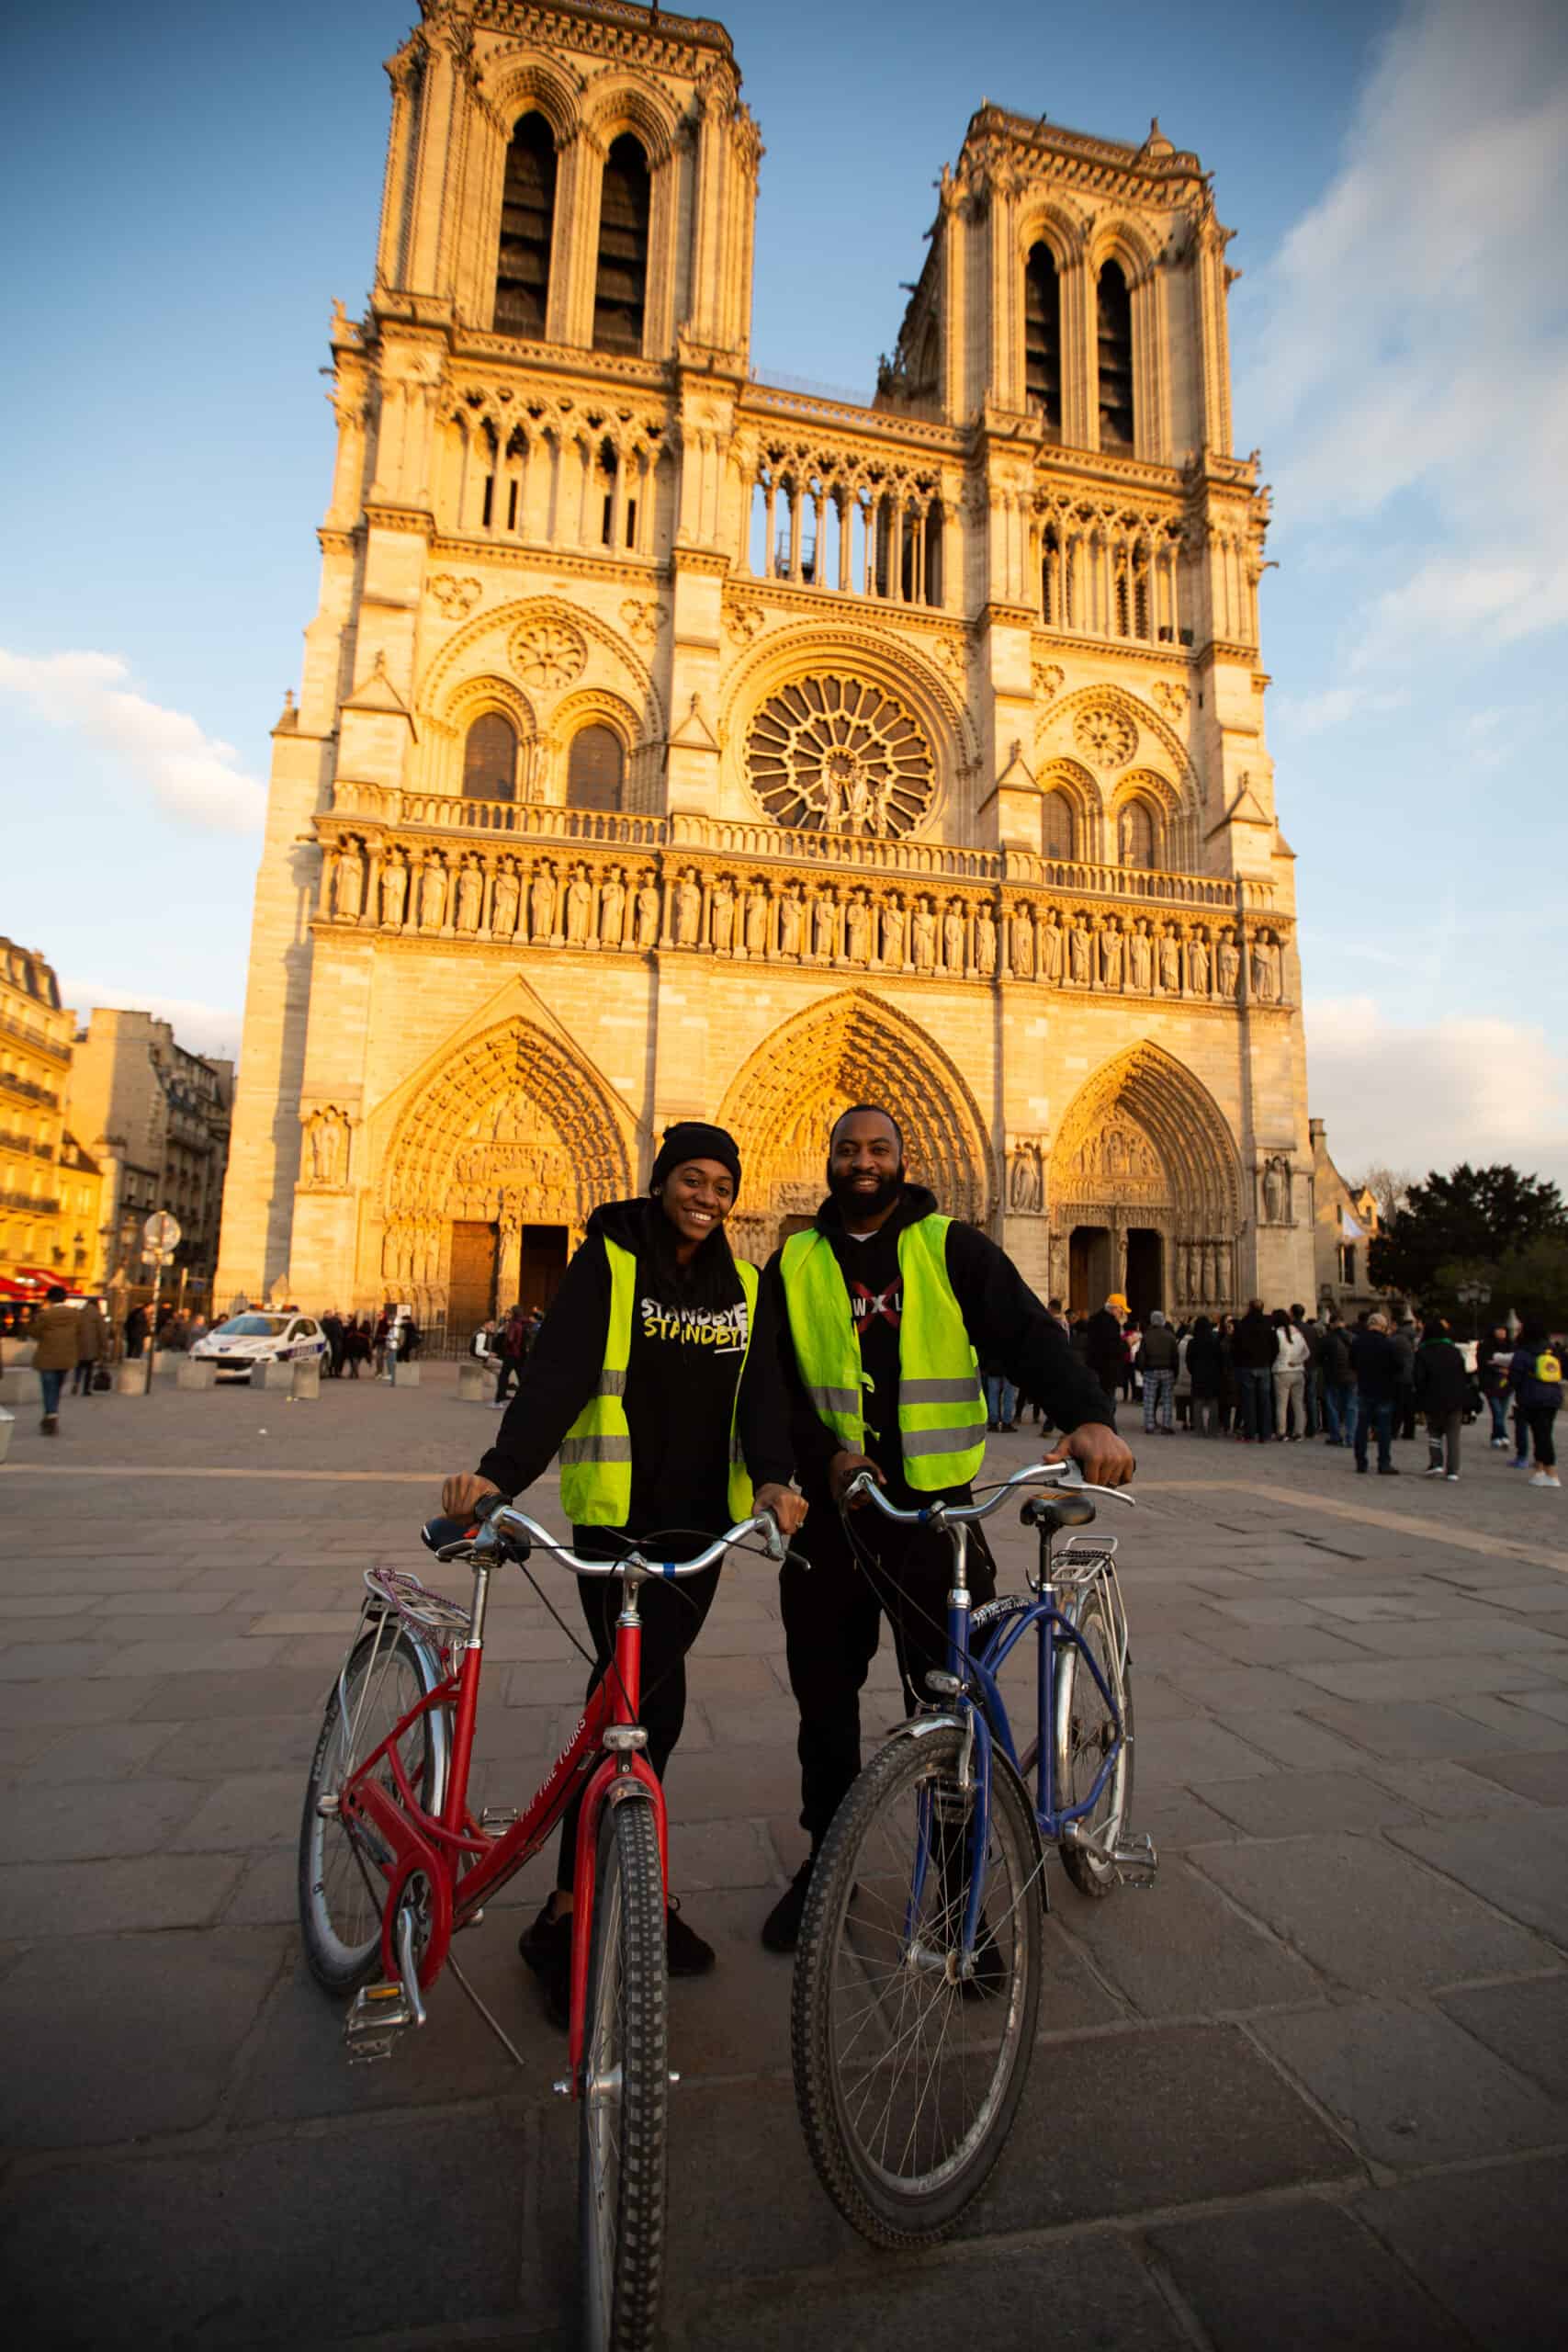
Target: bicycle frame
x: 976, y: 1704
x: 419, y: 1844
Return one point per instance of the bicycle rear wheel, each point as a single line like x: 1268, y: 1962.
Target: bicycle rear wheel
x: 342, y: 1890
x: 1086, y: 1735
x: 621, y: 2162
x: 907, y: 2077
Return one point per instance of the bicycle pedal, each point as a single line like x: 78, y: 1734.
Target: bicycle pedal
x: 375, y: 2016
x: 1136, y: 1861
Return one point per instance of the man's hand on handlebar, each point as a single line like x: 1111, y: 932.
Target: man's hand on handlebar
x: 788, y: 1507
x: 842, y: 1472
x: 1104, y: 1458
x: 462, y: 1496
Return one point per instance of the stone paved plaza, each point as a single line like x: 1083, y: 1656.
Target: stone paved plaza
x: 1312, y: 2088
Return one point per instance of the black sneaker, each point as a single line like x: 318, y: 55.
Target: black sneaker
x: 686, y: 1954
x: 546, y: 1947
x: 781, y: 1929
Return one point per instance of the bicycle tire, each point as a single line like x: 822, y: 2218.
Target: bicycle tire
x: 1083, y: 1730
x: 836, y: 2054
x: 622, y: 2138
x: 341, y: 1891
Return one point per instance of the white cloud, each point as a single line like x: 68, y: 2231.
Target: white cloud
x: 1420, y: 1097
x: 200, y: 1028
x: 1413, y: 339
x: 191, y: 774
x: 1304, y: 715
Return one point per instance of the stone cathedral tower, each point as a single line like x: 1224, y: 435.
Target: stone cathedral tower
x: 670, y: 743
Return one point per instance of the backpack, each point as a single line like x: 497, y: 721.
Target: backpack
x: 515, y: 1340
x: 1548, y: 1368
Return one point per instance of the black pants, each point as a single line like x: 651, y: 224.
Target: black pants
x: 672, y: 1616
x: 511, y: 1368
x: 1540, y: 1419
x: 82, y: 1380
x: 832, y: 1620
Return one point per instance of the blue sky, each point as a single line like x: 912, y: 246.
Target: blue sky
x: 186, y: 186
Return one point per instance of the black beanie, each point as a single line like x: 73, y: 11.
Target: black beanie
x: 691, y: 1139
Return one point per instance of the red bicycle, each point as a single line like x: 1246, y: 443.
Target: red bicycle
x: 392, y: 1864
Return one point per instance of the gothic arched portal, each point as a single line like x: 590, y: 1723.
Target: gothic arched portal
x: 850, y: 1048
x: 513, y: 1137
x: 1143, y: 1190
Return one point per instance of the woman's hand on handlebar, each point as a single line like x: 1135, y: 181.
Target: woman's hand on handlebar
x: 788, y: 1507
x: 842, y: 1472
x: 462, y: 1496
x: 1105, y: 1459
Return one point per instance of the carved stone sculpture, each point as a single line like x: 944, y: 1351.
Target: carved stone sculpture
x: 432, y: 895
x: 953, y: 935
x: 723, y: 916
x: 579, y: 906
x: 503, y: 909
x: 1265, y: 970
x: 1171, y: 962
x: 789, y: 922
x: 1051, y: 948
x: 1276, y: 1189
x: 923, y: 933
x: 470, y: 895
x: 326, y: 1137
x: 1198, y: 964
x: 394, y: 892
x: 1023, y: 944
x: 647, y: 911
x: 1141, y: 956
x: 1026, y: 1180
x: 857, y: 927
x: 1079, y: 953
x: 1228, y: 962
x: 542, y: 903
x: 348, y: 883
x: 892, y: 933
x: 688, y: 910
x: 986, y: 944
x: 824, y: 925
x: 1110, y: 956
x: 612, y: 909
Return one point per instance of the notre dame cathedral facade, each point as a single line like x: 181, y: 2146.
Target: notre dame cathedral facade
x: 675, y: 744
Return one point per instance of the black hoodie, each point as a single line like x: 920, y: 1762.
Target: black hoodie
x: 680, y: 1385
x: 1006, y: 1325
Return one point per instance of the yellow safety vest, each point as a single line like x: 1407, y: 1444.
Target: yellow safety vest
x: 942, y: 1413
x: 596, y: 1452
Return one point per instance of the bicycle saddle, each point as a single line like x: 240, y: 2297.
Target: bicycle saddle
x: 1053, y: 1512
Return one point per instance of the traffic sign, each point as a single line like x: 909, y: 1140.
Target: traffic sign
x: 160, y: 1234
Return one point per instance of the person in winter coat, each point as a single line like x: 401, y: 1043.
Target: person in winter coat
x: 92, y: 1342
x: 1105, y: 1351
x: 1157, y: 1359
x: 1406, y: 1339
x: 1493, y: 1358
x: 1339, y: 1384
x: 1206, y: 1371
x: 55, y: 1354
x: 1376, y: 1362
x: 1253, y: 1351
x: 1291, y: 1357
x: 655, y: 1288
x: 135, y: 1332
x: 1535, y: 1375
x: 1442, y: 1384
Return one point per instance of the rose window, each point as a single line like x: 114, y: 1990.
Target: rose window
x: 550, y: 654
x: 1105, y: 736
x: 832, y: 755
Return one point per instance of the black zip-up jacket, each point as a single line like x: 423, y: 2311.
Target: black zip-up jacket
x: 1374, y: 1360
x: 680, y: 1387
x: 1006, y: 1325
x: 1253, y: 1345
x: 1442, y: 1384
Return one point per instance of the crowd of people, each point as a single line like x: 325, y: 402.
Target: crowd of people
x: 378, y: 1342
x: 1277, y: 1378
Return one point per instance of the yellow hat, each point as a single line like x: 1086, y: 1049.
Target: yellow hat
x: 1116, y: 1299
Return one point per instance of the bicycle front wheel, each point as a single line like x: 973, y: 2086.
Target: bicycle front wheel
x: 342, y: 1889
x: 1086, y: 1735
x: 621, y: 2162
x: 907, y: 2075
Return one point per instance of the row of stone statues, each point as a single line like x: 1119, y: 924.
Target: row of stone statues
x: 461, y: 895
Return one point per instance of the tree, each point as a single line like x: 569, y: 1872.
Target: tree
x: 1389, y: 1188
x: 1472, y: 1213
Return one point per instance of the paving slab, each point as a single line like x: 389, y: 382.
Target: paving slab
x: 83, y: 1818
x: 1542, y: 1778
x: 1294, y: 1804
x: 1193, y: 1753
x: 1179, y: 1950
x: 1409, y: 2087
x: 245, y: 1810
x: 1367, y: 1916
x: 1525, y: 2023
x: 94, y: 1752
x: 1519, y: 1863
x: 83, y: 2023
x: 1446, y: 1791
x: 1305, y: 2273
x: 1495, y: 2258
x: 1519, y: 1721
x: 104, y: 1897
x: 263, y: 2255
x: 1026, y: 2300
x: 1303, y: 1744
x: 1400, y: 1728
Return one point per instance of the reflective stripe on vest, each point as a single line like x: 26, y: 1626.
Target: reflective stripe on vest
x: 596, y: 1452
x: 942, y: 1414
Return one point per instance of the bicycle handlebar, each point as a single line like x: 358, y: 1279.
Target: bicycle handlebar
x: 1065, y: 1475
x: 507, y: 1533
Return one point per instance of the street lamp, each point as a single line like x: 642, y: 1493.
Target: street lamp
x: 1470, y: 1295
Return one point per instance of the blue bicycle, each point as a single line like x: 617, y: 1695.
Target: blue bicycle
x: 917, y: 1978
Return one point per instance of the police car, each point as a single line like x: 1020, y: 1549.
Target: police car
x: 235, y: 1348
